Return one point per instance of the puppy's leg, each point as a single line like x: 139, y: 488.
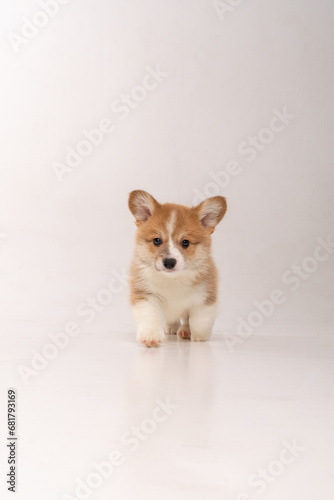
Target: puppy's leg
x: 201, y: 321
x: 150, y: 322
x: 184, y: 329
x: 171, y: 328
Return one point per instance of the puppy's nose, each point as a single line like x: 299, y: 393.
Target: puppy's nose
x: 169, y: 263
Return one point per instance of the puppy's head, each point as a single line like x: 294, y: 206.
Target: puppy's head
x: 172, y: 238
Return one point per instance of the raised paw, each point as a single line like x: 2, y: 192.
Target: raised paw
x: 150, y: 339
x: 184, y: 332
x: 151, y: 342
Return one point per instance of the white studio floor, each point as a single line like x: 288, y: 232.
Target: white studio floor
x: 188, y: 421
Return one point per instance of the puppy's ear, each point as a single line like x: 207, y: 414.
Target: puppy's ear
x: 211, y: 211
x: 142, y: 205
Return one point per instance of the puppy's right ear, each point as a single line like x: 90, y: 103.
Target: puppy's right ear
x: 142, y: 205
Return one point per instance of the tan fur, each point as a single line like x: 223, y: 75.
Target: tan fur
x: 173, y: 223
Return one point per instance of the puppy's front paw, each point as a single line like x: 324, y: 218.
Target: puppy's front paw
x: 200, y: 337
x: 150, y: 339
x: 201, y: 322
x: 184, y: 332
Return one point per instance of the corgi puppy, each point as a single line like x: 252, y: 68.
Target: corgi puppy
x: 173, y: 279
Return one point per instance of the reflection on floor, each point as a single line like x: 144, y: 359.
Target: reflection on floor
x: 108, y: 418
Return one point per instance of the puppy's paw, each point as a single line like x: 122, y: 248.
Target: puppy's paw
x: 184, y: 332
x: 172, y: 328
x: 200, y: 337
x: 150, y: 339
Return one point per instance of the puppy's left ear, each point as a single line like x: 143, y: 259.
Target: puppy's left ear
x: 211, y: 211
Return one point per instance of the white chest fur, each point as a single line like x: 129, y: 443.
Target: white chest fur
x: 175, y: 293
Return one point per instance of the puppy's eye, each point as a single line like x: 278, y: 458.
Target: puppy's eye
x: 157, y: 242
x: 185, y: 243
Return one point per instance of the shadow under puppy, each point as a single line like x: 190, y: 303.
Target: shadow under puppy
x: 173, y: 278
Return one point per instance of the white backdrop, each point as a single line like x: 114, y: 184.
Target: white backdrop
x: 194, y: 98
